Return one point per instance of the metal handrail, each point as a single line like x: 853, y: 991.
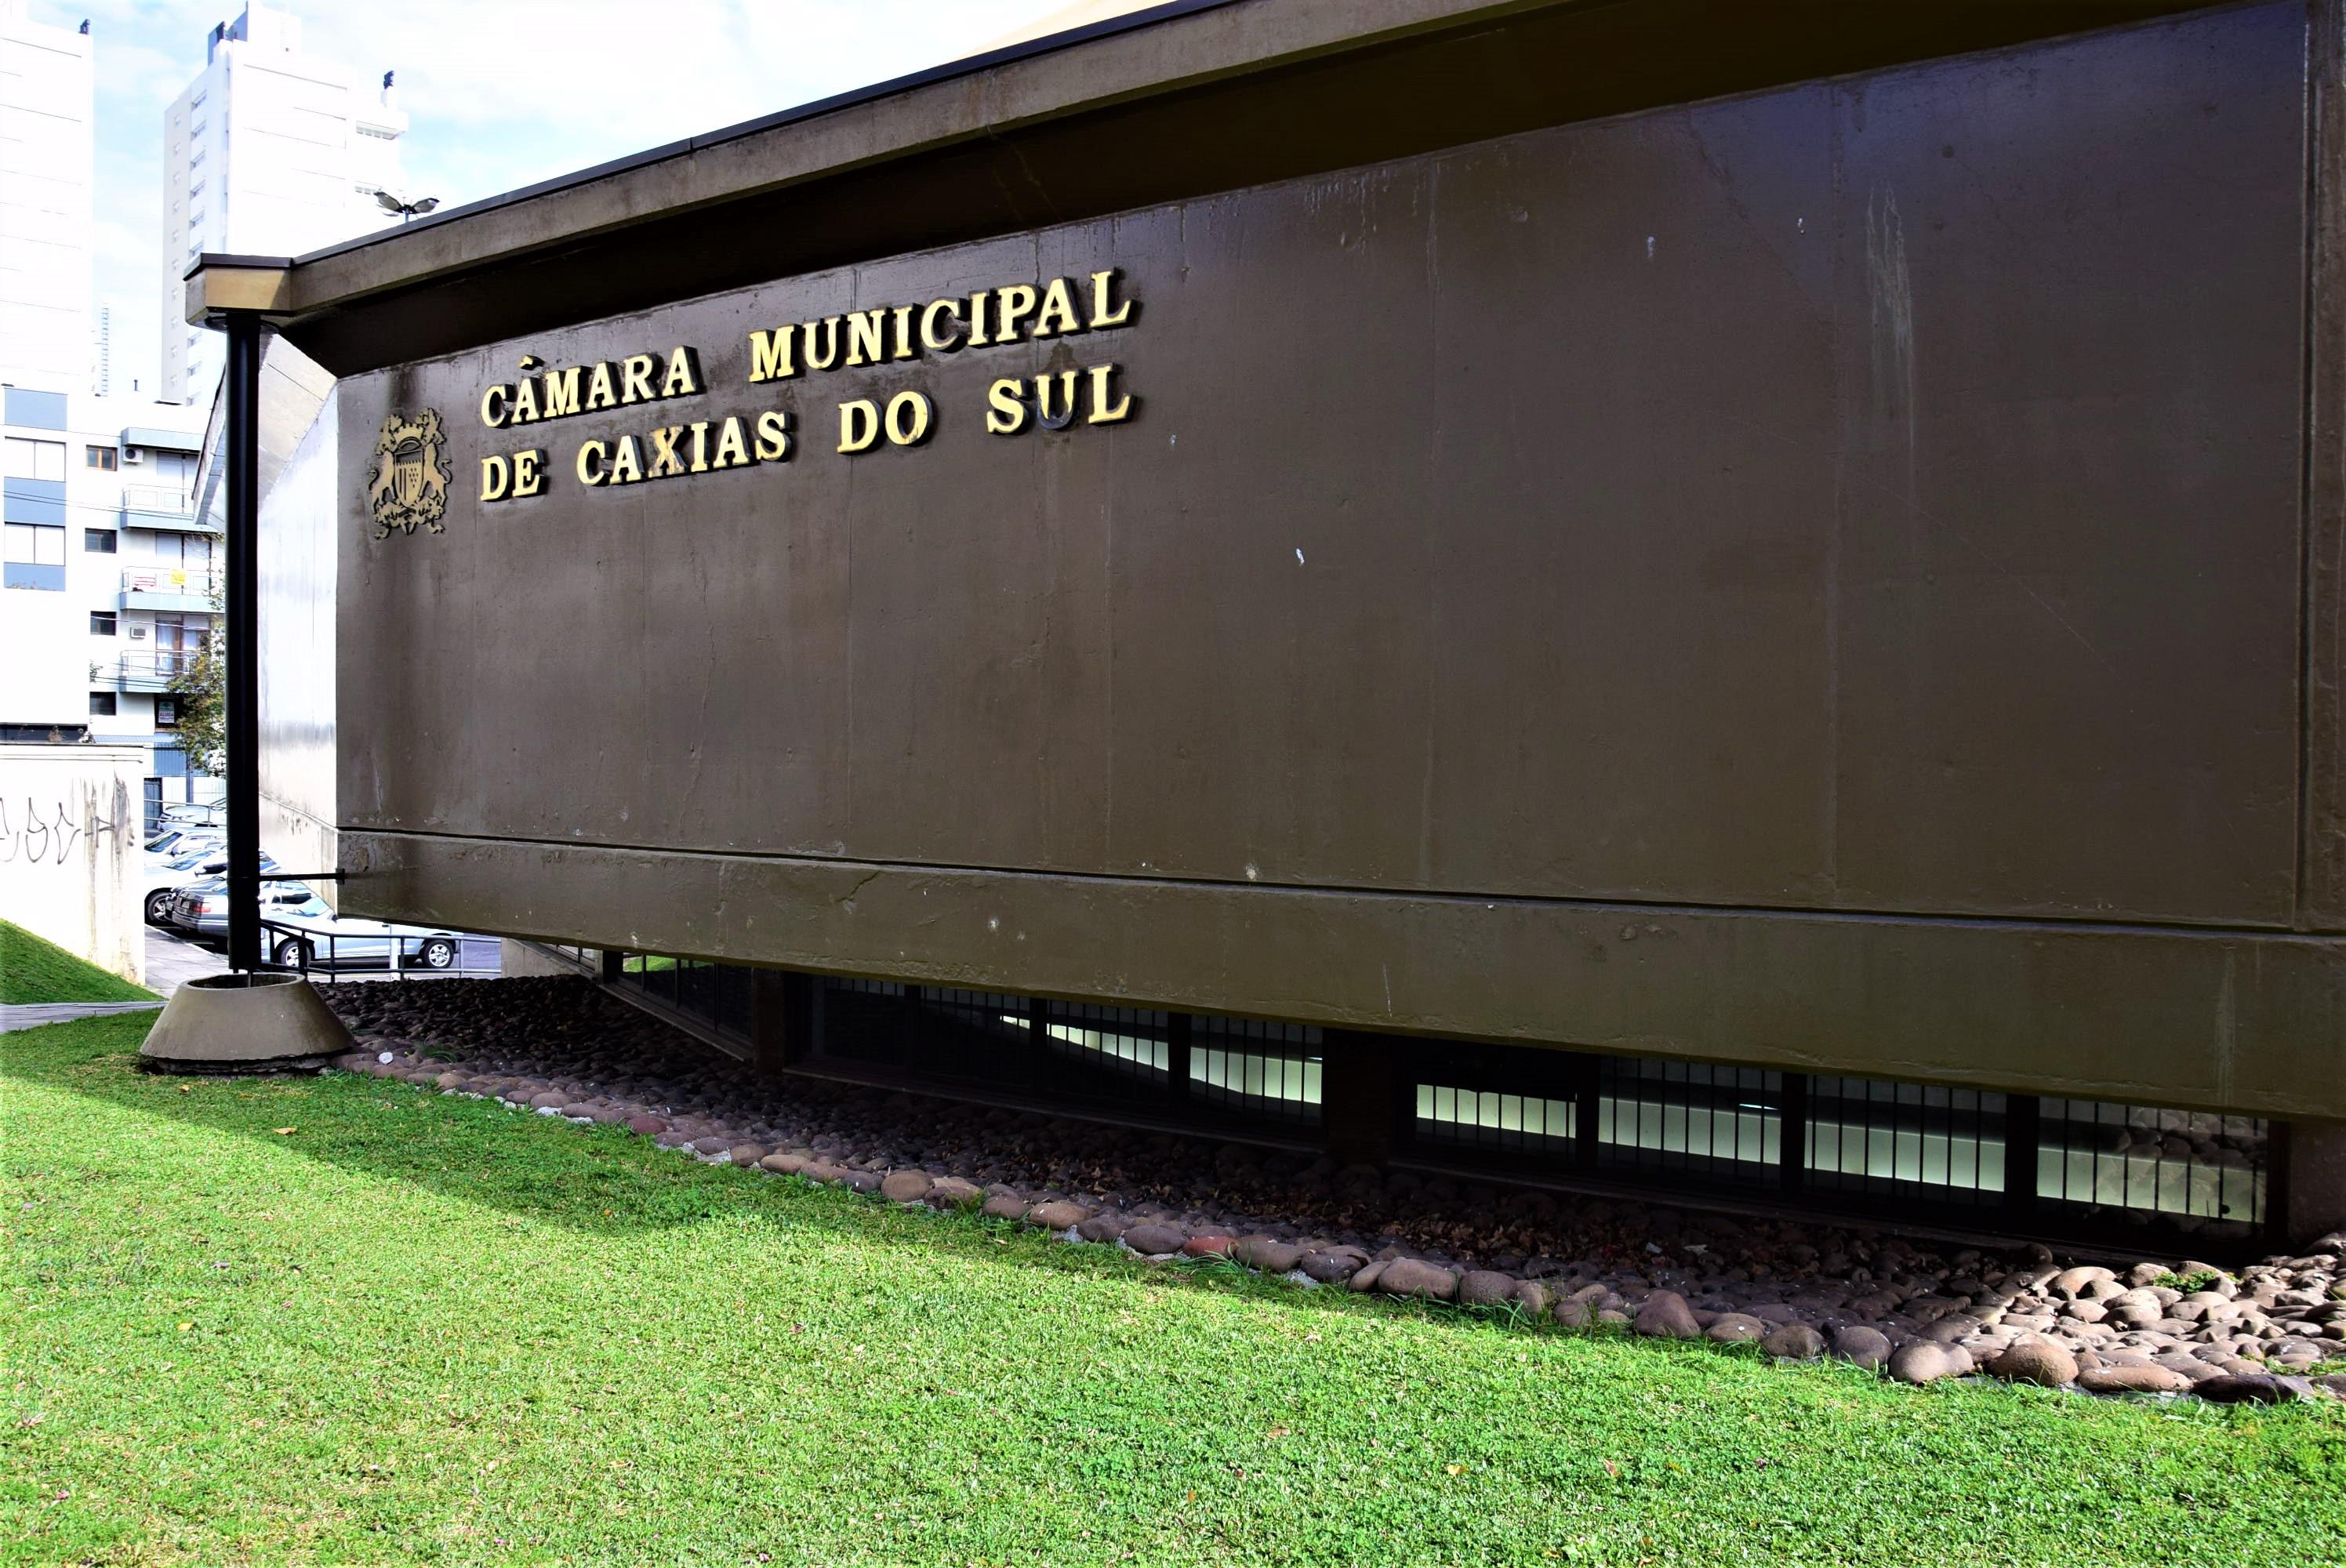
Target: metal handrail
x: 171, y: 580
x: 400, y: 961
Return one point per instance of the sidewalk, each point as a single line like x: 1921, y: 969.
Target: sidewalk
x: 172, y: 962
x: 33, y: 1015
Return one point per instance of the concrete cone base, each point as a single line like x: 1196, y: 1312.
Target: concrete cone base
x: 244, y: 1024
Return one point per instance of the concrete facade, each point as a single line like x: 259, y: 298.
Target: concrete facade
x: 69, y: 850
x: 1795, y: 555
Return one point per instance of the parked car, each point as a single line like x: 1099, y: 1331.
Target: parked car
x: 182, y: 870
x: 201, y: 908
x: 197, y: 866
x: 313, y: 936
x: 175, y: 841
x: 201, y: 813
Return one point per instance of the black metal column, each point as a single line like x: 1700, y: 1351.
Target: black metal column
x: 243, y: 692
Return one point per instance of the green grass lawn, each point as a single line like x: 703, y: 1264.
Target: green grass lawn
x: 339, y: 1319
x: 33, y: 969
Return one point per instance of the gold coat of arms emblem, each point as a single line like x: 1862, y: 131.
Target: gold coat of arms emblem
x: 410, y: 485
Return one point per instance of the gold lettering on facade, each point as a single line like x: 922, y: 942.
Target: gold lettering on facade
x: 1058, y: 313
x: 829, y: 355
x: 773, y: 436
x: 683, y: 377
x: 529, y: 473
x: 561, y: 394
x: 627, y: 462
x: 1108, y: 407
x: 947, y: 339
x: 666, y: 460
x: 859, y: 424
x: 769, y: 355
x: 497, y: 477
x: 1103, y: 287
x: 636, y: 378
x: 599, y: 391
x: 590, y: 463
x: 864, y: 332
x: 1005, y: 411
x: 908, y: 418
x: 493, y: 405
x: 732, y: 449
x: 1013, y: 303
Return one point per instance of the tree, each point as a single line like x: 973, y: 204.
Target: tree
x: 200, y: 687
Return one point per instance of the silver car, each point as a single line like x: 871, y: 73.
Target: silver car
x: 309, y: 935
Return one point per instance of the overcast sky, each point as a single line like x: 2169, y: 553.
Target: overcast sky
x: 499, y: 92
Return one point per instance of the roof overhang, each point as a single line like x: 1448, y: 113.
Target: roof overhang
x: 1159, y: 105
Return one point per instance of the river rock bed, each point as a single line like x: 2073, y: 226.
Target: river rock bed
x: 1918, y: 1311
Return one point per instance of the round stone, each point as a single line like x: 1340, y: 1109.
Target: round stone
x: 1531, y: 1297
x: 1363, y: 1279
x: 1103, y: 1226
x: 953, y: 1192
x: 1328, y: 1267
x: 650, y: 1127
x: 1734, y: 1329
x: 1059, y: 1216
x: 746, y: 1154
x: 549, y: 1100
x: 1415, y: 1277
x: 1573, y: 1313
x: 1920, y: 1361
x: 2241, y: 1389
x: 2127, y: 1377
x: 2032, y: 1359
x: 1797, y: 1341
x: 783, y: 1165
x: 1869, y: 1347
x: 1004, y: 1206
x: 1208, y: 1245
x: 1486, y: 1288
x: 711, y: 1144
x: 1267, y: 1253
x: 905, y: 1186
x: 1154, y: 1240
x: 1665, y: 1314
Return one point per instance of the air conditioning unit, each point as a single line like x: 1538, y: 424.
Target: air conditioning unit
x: 131, y: 454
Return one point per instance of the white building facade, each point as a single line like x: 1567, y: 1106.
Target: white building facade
x: 269, y: 152
x: 111, y: 578
x: 46, y: 150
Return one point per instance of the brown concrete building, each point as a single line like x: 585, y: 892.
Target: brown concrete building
x: 1746, y: 595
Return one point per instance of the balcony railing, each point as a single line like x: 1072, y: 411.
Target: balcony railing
x: 158, y: 498
x: 175, y: 582
x: 153, y: 670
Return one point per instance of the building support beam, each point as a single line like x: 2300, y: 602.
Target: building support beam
x: 2310, y: 1196
x: 1358, y: 1089
x: 242, y: 437
x: 782, y: 1020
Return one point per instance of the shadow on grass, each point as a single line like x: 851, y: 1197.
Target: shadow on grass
x: 602, y: 1181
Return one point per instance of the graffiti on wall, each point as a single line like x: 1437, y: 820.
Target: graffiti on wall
x: 40, y: 837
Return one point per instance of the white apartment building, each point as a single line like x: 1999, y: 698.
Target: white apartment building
x: 105, y: 572
x: 110, y: 578
x: 269, y: 152
x: 45, y: 173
